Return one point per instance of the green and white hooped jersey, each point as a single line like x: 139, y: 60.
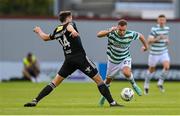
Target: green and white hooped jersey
x: 160, y: 46
x: 118, y: 46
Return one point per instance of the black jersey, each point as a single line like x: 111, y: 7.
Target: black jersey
x: 71, y: 45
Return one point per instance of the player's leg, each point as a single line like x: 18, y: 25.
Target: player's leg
x: 112, y: 71
x: 166, y: 65
x: 129, y: 76
x: 149, y: 75
x: 45, y: 91
x: 65, y: 70
x: 89, y: 68
x: 103, y: 89
x: 152, y: 62
x: 107, y: 83
x: 126, y: 70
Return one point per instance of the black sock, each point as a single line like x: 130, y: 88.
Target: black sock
x: 45, y: 91
x: 105, y: 92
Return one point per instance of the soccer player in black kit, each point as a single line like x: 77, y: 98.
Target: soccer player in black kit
x: 75, y: 58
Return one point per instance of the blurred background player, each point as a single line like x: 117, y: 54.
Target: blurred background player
x: 75, y: 58
x: 158, y: 41
x: 31, y: 68
x: 119, y: 58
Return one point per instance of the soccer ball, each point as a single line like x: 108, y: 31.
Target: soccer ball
x: 127, y: 94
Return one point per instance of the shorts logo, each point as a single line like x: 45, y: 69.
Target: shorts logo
x: 127, y: 62
x: 88, y: 69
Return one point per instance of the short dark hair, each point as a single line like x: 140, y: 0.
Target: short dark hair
x: 63, y: 15
x: 161, y: 16
x: 122, y: 22
x: 29, y: 54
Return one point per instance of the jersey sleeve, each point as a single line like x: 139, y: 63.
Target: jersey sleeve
x: 52, y: 35
x: 136, y: 35
x: 108, y: 35
x: 152, y: 33
x: 55, y: 34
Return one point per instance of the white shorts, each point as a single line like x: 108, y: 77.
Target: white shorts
x: 114, y: 70
x: 153, y: 60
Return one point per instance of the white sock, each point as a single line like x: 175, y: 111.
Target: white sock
x: 162, y: 77
x: 113, y: 103
x: 33, y: 80
x: 160, y: 81
x: 147, y: 79
x: 108, y: 85
x: 131, y: 80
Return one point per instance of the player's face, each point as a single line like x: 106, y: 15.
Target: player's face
x: 122, y: 30
x: 69, y: 18
x: 161, y: 21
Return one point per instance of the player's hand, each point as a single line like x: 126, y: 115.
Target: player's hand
x: 37, y: 29
x: 144, y: 48
x: 113, y: 28
x: 167, y: 41
x: 162, y: 37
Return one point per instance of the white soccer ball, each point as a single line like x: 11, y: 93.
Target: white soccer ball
x: 127, y: 94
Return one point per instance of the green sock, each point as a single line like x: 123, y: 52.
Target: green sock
x: 131, y: 80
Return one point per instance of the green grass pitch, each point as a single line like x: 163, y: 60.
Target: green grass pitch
x: 82, y: 98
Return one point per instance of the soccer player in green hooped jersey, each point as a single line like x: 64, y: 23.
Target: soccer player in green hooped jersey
x: 158, y: 41
x: 119, y: 57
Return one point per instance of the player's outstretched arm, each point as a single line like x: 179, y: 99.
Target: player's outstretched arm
x: 143, y: 41
x: 152, y: 39
x: 41, y: 34
x: 104, y: 33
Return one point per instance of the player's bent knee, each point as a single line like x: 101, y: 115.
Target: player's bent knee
x: 151, y: 69
x: 97, y: 79
x: 166, y: 65
x: 127, y: 72
x: 57, y: 80
x: 166, y: 68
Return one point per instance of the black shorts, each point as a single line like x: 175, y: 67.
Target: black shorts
x: 80, y: 62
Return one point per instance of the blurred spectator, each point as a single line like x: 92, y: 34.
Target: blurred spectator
x: 30, y: 71
x: 31, y: 68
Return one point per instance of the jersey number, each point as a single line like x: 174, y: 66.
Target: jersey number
x: 64, y: 42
